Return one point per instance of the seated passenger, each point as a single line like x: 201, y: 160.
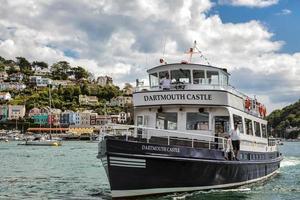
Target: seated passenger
x: 165, y: 83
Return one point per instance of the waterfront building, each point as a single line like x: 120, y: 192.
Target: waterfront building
x: 16, y: 111
x: 104, y: 80
x: 103, y: 119
x: 41, y: 119
x: 85, y: 118
x: 34, y: 111
x: 88, y: 100
x: 3, y: 113
x: 5, y: 96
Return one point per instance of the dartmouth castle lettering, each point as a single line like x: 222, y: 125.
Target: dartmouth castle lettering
x: 161, y: 97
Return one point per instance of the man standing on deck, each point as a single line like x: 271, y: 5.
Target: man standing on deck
x: 235, y: 138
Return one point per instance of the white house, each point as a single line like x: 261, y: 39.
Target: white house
x: 5, y: 96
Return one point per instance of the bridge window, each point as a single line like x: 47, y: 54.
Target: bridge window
x: 264, y: 130
x: 163, y: 74
x: 166, y: 121
x: 197, y: 121
x: 257, y: 129
x: 248, y: 125
x: 239, y: 121
x: 213, y: 77
x: 181, y: 75
x: 153, y: 80
x: 199, y: 77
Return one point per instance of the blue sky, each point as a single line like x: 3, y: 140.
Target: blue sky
x: 256, y: 40
x: 282, y: 19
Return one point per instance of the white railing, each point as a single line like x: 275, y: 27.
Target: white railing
x: 189, y: 86
x: 171, y: 137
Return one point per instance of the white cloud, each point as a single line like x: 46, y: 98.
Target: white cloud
x: 250, y: 3
x: 284, y: 12
x: 124, y: 38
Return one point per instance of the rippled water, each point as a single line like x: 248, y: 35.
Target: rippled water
x: 73, y: 172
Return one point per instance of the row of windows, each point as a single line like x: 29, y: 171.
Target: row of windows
x: 259, y: 129
x: 184, y: 76
x: 194, y: 121
x: 200, y: 121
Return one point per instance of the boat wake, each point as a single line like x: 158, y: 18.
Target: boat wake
x: 290, y: 161
x: 186, y: 195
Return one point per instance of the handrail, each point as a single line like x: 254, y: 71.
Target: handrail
x: 193, y: 138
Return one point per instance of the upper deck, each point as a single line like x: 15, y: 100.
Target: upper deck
x: 194, y: 84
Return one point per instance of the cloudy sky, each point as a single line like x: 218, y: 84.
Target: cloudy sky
x: 256, y: 40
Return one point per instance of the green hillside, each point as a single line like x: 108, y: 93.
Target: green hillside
x: 286, y: 122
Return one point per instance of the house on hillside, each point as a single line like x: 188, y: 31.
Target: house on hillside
x: 104, y: 80
x: 88, y: 100
x: 3, y: 76
x: 5, y: 96
x: 121, y: 101
x: 16, y: 77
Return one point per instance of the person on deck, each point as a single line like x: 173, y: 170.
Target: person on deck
x: 165, y: 83
x: 235, y: 138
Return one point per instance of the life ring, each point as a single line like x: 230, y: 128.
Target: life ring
x: 247, y: 104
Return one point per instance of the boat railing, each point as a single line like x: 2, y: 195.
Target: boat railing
x: 166, y: 137
x: 189, y: 86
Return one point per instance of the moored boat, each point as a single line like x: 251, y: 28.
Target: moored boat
x: 180, y: 140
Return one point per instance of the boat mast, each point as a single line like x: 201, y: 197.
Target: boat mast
x: 50, y: 108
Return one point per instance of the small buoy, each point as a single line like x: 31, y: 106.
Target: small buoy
x: 55, y: 144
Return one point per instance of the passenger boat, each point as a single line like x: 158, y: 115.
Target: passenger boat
x: 179, y: 140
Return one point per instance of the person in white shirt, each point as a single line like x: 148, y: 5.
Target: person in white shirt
x: 235, y: 138
x: 165, y: 83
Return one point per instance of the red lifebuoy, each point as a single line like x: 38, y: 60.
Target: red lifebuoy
x: 247, y: 104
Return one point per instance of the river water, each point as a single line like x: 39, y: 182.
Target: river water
x: 73, y: 172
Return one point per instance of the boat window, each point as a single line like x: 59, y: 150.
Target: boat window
x: 221, y: 124
x: 153, y: 80
x: 239, y: 121
x: 264, y: 130
x: 257, y: 129
x: 163, y: 74
x: 197, y: 121
x: 199, y: 77
x: 248, y: 126
x: 166, y: 121
x: 181, y: 75
x: 223, y: 79
x: 213, y: 77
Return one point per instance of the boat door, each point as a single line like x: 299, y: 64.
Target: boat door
x: 221, y: 128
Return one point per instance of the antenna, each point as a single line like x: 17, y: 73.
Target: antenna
x: 195, y: 50
x: 162, y: 60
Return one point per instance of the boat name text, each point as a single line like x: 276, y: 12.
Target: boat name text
x: 160, y: 97
x: 160, y: 149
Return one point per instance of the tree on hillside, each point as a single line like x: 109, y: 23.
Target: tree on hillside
x: 25, y: 66
x: 80, y: 72
x: 60, y: 70
x: 2, y: 60
x: 40, y: 64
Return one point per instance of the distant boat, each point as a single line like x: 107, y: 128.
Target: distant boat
x: 42, y: 141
